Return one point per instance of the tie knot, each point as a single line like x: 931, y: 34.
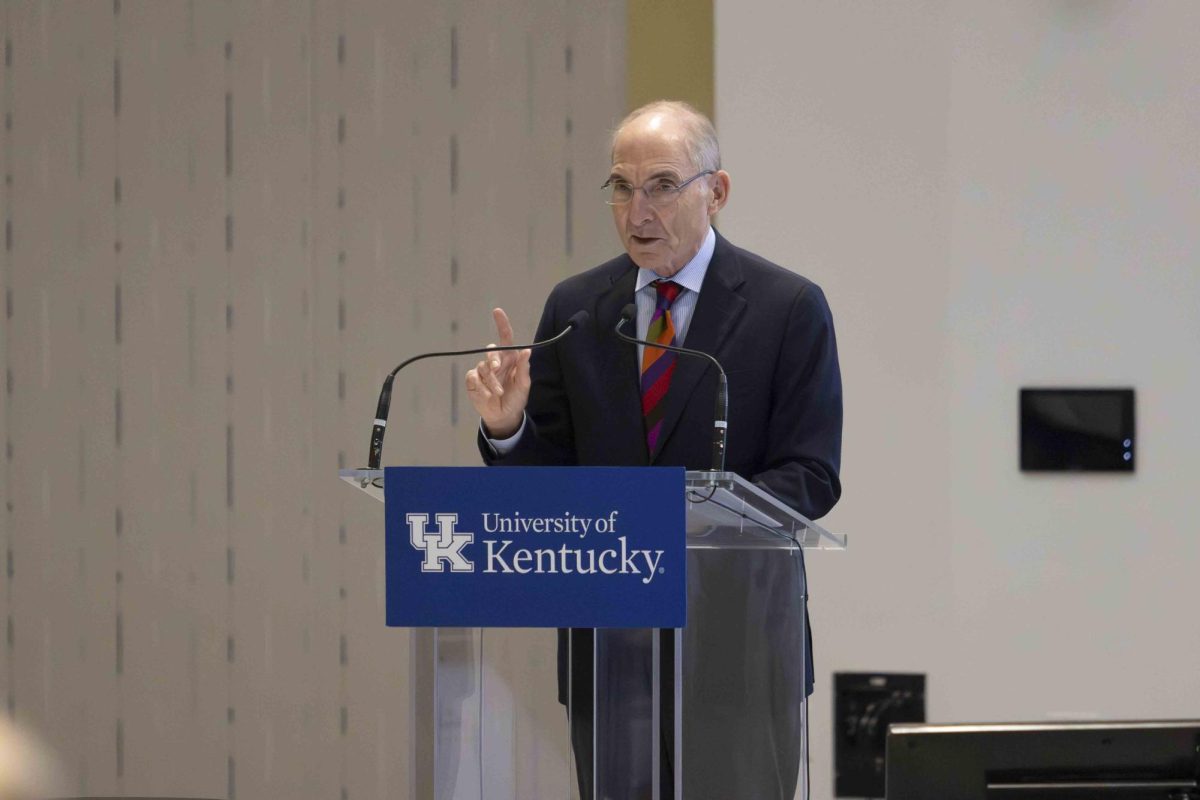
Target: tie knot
x: 667, y: 292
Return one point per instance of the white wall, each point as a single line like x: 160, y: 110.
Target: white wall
x: 993, y: 195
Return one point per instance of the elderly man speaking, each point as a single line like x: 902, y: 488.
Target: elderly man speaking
x: 598, y: 401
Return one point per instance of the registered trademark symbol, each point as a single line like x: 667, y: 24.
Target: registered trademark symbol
x: 661, y: 570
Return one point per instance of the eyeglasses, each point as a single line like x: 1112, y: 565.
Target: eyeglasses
x: 659, y: 192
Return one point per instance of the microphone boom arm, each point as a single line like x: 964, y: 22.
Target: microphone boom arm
x: 375, y: 454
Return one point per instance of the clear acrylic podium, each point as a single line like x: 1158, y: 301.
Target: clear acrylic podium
x: 714, y: 710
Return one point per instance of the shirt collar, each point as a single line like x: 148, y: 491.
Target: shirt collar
x: 692, y: 275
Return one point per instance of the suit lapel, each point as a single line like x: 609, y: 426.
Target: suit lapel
x: 620, y: 360
x: 718, y: 308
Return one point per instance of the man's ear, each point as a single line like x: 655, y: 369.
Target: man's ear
x: 720, y: 192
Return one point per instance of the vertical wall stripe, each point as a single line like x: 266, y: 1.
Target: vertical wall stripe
x: 229, y: 129
x: 339, y: 230
x: 569, y: 212
x: 119, y: 365
x: 230, y: 516
x: 6, y: 469
x: 120, y: 750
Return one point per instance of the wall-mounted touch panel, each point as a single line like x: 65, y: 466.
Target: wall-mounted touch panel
x: 1077, y: 430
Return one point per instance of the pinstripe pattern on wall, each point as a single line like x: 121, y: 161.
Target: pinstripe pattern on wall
x: 224, y: 222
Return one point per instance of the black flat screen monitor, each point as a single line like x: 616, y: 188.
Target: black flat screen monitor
x: 1033, y: 761
x: 1077, y: 430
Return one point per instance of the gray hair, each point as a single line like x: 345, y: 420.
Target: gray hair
x: 700, y: 136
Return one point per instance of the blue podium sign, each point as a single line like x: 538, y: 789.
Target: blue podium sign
x: 531, y: 547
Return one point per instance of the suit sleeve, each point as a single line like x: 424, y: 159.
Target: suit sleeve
x: 547, y: 439
x: 804, y: 429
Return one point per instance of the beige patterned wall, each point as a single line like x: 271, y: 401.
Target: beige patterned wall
x: 224, y: 222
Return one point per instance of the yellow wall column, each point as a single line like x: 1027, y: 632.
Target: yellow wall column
x: 670, y: 52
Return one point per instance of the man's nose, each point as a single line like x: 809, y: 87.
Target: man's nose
x: 640, y: 210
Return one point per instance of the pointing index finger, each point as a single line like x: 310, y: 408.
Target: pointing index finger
x: 503, y: 327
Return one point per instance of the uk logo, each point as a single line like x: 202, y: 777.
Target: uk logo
x: 443, y: 546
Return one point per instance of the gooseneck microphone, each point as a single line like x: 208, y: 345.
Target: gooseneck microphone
x: 721, y: 415
x: 578, y: 319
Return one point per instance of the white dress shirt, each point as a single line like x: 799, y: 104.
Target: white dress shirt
x: 691, y: 277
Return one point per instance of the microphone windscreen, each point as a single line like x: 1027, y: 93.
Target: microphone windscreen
x: 578, y: 319
x: 628, y: 312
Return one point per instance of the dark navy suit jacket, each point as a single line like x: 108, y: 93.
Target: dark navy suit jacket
x: 772, y: 331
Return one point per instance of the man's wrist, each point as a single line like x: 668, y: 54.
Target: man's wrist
x: 502, y: 433
x: 502, y: 446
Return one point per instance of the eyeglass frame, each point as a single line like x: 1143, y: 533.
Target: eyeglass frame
x: 633, y: 190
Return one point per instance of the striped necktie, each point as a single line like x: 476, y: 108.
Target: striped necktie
x: 657, y: 364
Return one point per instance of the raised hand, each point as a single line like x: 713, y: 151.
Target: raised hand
x: 499, y: 384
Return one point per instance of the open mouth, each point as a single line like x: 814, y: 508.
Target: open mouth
x: 644, y: 240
